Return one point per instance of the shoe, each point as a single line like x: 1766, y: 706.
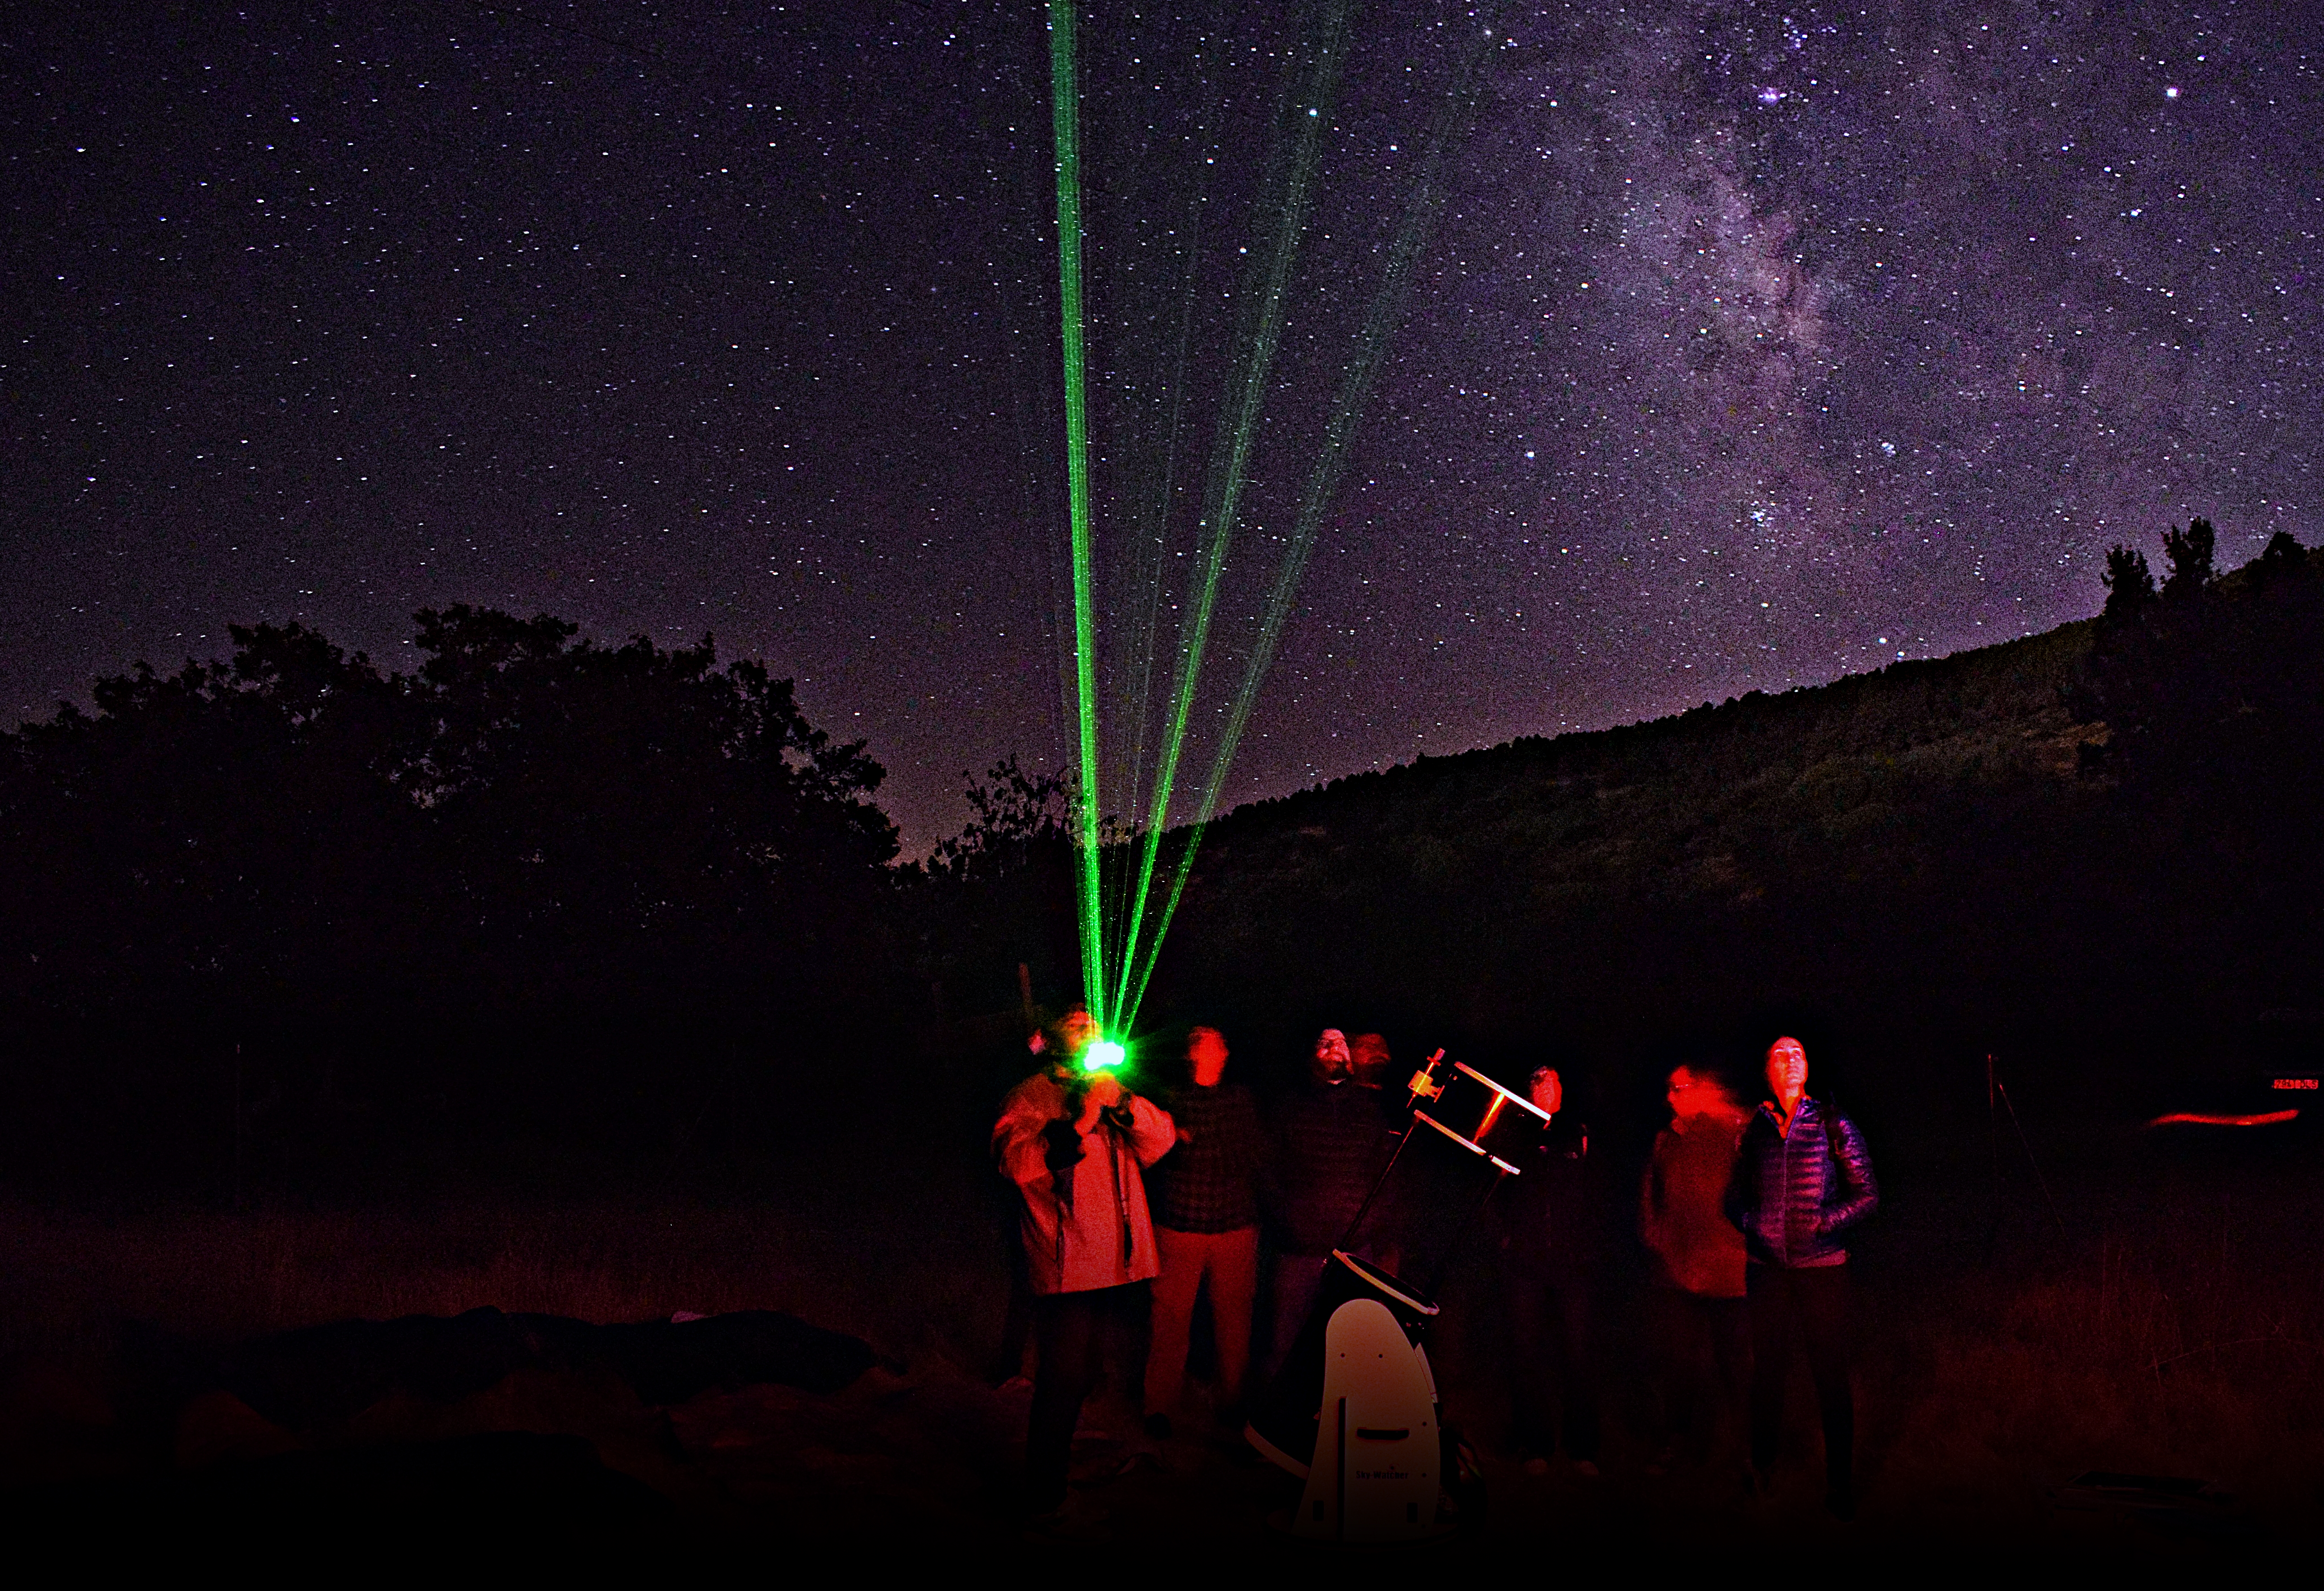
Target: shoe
x: 1158, y: 1427
x: 1587, y: 1468
x: 1536, y: 1465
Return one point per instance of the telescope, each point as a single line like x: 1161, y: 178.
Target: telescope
x: 1353, y: 1410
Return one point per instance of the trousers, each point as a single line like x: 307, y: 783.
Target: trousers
x: 1291, y: 1282
x: 1803, y: 1307
x: 1550, y: 1363
x: 1070, y: 1329
x: 1229, y: 1263
x: 1700, y: 1346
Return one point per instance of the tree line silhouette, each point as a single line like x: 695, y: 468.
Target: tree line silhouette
x: 535, y: 881
x: 540, y: 886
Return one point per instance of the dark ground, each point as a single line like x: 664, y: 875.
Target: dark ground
x: 2093, y: 1297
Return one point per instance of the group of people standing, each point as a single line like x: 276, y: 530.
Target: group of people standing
x: 1743, y: 1212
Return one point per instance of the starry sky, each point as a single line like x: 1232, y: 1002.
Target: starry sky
x: 1752, y: 344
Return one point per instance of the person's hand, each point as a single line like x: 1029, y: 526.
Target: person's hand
x: 1104, y: 1091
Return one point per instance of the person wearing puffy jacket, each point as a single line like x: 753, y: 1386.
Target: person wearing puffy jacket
x: 1803, y: 1179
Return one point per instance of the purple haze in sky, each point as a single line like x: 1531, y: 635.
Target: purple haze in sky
x: 1756, y: 344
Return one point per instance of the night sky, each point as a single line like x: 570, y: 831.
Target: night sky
x: 1755, y: 344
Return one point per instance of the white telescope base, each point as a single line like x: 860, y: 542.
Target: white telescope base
x: 1374, y: 1477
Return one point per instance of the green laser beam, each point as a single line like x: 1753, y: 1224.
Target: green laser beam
x: 1155, y: 521
x: 1115, y: 976
x: 1310, y: 119
x: 1064, y: 117
x: 1380, y: 321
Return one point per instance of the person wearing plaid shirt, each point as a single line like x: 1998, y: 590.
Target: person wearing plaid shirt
x: 1206, y: 1228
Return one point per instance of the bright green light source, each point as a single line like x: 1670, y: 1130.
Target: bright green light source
x: 1103, y: 1055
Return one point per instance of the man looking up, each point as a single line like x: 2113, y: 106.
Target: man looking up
x: 1802, y: 1179
x: 1324, y: 1146
x: 1206, y: 1227
x: 1076, y: 1143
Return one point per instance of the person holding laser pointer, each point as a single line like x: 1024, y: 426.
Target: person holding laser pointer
x: 1077, y: 1143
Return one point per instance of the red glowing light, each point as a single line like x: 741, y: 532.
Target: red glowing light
x: 2307, y: 1085
x: 2204, y: 1119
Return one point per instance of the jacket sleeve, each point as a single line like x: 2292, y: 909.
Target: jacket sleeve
x: 1152, y: 1133
x: 1018, y: 1146
x: 1742, y: 1182
x: 1853, y: 1162
x: 1178, y: 1130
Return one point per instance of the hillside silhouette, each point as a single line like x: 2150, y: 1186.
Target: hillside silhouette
x: 466, y: 1082
x: 547, y: 890
x: 2102, y: 838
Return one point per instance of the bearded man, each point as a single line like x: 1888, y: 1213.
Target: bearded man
x: 1327, y: 1141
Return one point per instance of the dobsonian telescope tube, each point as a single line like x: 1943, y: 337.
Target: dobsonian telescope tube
x: 1467, y: 1133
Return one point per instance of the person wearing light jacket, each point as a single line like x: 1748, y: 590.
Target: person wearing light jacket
x: 1803, y: 1179
x: 1076, y: 1145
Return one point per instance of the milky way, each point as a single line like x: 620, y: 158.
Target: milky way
x: 1754, y: 343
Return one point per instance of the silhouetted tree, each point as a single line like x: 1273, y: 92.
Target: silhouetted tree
x: 535, y: 847
x: 1002, y: 891
x: 2212, y: 698
x: 2129, y: 586
x: 2190, y: 555
x: 2283, y: 561
x: 2119, y: 680
x: 212, y: 836
x: 610, y: 809
x: 1018, y: 820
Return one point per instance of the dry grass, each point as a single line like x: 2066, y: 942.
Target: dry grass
x: 210, y: 1273
x: 2154, y: 1349
x: 2178, y: 1344
x: 918, y: 1266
